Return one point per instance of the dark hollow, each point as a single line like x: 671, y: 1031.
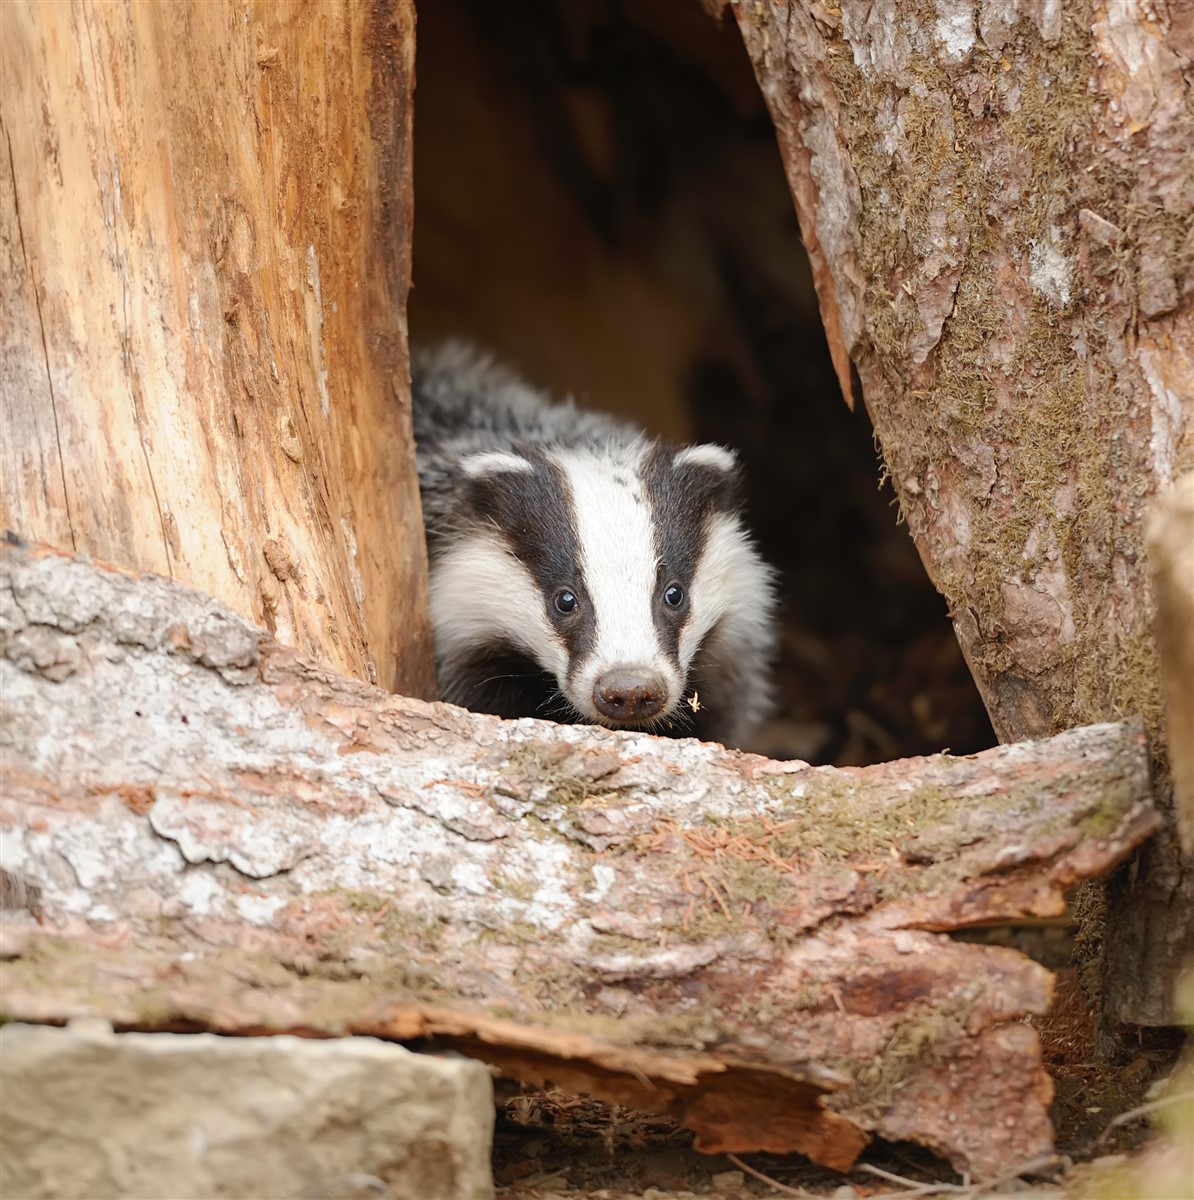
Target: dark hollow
x: 600, y: 200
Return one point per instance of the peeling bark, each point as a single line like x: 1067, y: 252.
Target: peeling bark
x: 204, y: 240
x: 998, y: 203
x: 222, y: 836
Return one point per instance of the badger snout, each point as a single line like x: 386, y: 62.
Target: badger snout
x: 630, y: 694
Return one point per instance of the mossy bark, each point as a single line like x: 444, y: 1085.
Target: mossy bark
x: 998, y: 202
x: 203, y: 831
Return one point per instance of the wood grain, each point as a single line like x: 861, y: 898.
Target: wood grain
x: 205, y: 227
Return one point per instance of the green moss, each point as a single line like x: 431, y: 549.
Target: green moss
x: 922, y: 1033
x: 561, y: 772
x: 808, y: 998
x: 845, y: 831
x: 517, y: 886
x: 618, y: 944
x: 512, y: 933
x: 359, y: 902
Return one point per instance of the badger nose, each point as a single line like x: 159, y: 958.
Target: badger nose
x: 629, y: 694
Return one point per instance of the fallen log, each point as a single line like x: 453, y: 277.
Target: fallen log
x: 203, y: 831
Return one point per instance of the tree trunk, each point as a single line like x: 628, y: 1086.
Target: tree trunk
x: 204, y: 230
x: 998, y: 203
x: 208, y: 833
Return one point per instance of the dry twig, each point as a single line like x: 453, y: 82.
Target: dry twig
x: 1142, y: 1110
x: 773, y: 1183
x: 916, y: 1187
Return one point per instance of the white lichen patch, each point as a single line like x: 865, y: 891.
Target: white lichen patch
x: 954, y: 29
x: 201, y: 895
x: 260, y: 910
x: 1050, y: 271
x: 673, y: 963
x: 603, y: 880
x: 470, y: 879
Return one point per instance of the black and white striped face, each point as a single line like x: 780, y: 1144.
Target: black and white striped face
x: 607, y: 567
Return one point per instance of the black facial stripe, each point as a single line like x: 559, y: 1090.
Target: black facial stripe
x: 682, y: 498
x: 502, y: 680
x: 533, y: 510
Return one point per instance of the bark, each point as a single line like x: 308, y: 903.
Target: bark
x: 209, y: 833
x: 204, y: 229
x: 998, y: 203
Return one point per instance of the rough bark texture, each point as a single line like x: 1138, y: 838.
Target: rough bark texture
x: 1171, y: 559
x: 85, y: 1113
x: 204, y: 260
x: 998, y: 202
x: 204, y: 832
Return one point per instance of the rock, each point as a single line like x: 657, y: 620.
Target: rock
x: 725, y: 1180
x: 86, y: 1113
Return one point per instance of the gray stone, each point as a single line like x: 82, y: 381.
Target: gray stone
x: 86, y: 1113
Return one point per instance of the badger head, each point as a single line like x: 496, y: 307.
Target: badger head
x: 605, y: 571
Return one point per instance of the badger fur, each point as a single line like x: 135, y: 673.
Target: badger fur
x: 580, y: 571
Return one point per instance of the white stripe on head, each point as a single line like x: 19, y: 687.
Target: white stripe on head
x: 481, y: 593
x: 619, y: 560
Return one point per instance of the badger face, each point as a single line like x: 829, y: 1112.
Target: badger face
x: 597, y: 571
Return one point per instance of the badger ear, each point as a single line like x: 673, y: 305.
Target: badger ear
x: 488, y: 464
x: 495, y: 483
x: 712, y: 472
x: 717, y: 458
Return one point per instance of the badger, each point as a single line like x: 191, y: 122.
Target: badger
x: 581, y: 571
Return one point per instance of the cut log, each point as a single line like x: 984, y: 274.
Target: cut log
x: 205, y: 213
x: 1171, y: 560
x: 998, y: 205
x: 210, y: 833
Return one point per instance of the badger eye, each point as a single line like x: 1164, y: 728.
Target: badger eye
x: 566, y: 601
x: 673, y: 596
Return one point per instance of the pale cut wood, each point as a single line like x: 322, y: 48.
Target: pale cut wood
x: 205, y: 239
x: 998, y: 204
x: 203, y: 831
x: 1171, y: 560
